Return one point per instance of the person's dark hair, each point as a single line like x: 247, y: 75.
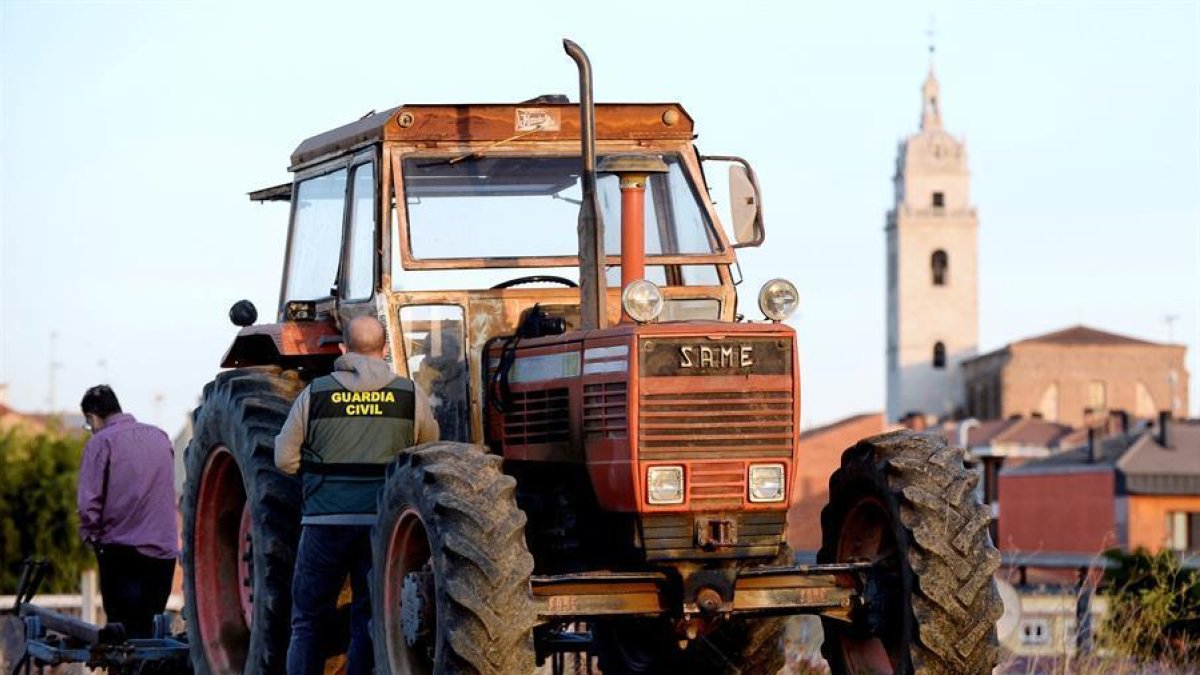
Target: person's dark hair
x: 100, y: 400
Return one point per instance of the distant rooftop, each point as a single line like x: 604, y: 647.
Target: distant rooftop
x: 1027, y: 431
x: 1142, y: 464
x: 1084, y: 335
x: 1079, y: 336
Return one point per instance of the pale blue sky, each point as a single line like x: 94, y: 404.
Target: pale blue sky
x: 131, y: 131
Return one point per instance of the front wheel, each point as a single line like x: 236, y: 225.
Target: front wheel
x: 450, y: 589
x: 906, y: 501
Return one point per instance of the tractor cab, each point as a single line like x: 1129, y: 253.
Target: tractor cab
x: 451, y: 222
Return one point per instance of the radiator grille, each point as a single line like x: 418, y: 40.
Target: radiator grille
x: 605, y: 411
x: 537, y: 417
x: 716, y: 425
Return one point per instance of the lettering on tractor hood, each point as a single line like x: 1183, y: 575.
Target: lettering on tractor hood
x: 708, y: 356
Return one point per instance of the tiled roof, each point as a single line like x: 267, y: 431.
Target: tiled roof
x: 841, y: 423
x: 1083, y: 335
x: 1028, y: 431
x: 1144, y: 466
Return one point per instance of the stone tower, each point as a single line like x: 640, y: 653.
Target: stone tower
x: 932, y: 235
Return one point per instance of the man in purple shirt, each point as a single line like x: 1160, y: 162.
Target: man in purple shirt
x: 126, y: 502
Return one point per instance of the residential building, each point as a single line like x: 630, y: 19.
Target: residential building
x: 1137, y: 488
x: 1062, y: 375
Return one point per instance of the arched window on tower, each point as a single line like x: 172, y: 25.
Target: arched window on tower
x: 940, y: 262
x: 939, y: 355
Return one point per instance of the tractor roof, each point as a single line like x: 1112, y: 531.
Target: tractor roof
x: 533, y: 121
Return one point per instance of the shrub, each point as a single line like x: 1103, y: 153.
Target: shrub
x: 38, y: 475
x: 1154, y: 608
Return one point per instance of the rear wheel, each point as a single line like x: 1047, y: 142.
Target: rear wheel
x: 450, y: 586
x: 907, y: 501
x: 241, y: 520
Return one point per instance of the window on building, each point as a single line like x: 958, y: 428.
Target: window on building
x: 1143, y: 402
x: 939, y: 355
x: 1182, y: 531
x: 1048, y: 406
x: 940, y: 262
x: 939, y: 200
x: 1035, y: 632
x: 1097, y: 395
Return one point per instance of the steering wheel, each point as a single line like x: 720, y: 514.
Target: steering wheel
x: 535, y: 279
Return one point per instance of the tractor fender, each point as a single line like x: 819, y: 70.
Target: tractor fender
x: 288, y: 343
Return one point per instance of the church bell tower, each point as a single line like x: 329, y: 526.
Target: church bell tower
x: 932, y: 289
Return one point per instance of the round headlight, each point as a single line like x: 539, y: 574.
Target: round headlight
x: 778, y: 299
x: 642, y: 300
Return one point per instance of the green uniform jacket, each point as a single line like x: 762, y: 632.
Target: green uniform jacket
x: 342, y: 432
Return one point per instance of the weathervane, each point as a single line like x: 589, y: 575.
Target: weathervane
x: 930, y: 33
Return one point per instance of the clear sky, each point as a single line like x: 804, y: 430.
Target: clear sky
x: 131, y: 132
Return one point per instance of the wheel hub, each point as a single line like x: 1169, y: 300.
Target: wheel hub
x: 416, y: 605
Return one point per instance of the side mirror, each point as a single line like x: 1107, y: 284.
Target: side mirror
x: 745, y: 202
x: 746, y: 205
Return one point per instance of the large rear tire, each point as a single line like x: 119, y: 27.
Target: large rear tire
x: 241, y: 522
x: 450, y: 590
x: 908, y: 500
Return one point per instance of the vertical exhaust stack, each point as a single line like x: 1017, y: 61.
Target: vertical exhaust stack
x: 633, y: 172
x: 592, y: 286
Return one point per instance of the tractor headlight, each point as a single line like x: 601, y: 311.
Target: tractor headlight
x: 778, y: 299
x: 642, y: 300
x: 664, y: 485
x: 766, y: 482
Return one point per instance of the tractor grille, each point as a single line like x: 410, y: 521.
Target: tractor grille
x: 536, y: 417
x: 605, y: 411
x: 716, y: 425
x: 716, y: 485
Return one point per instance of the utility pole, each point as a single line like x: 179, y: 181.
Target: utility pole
x: 159, y: 397
x: 1170, y: 320
x: 51, y: 397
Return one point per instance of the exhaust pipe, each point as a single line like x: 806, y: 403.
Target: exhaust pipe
x: 592, y: 284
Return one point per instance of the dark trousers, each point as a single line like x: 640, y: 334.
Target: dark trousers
x: 134, y: 587
x: 327, y: 553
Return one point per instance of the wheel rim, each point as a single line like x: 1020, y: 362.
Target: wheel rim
x: 246, y: 565
x: 868, y: 534
x: 219, y: 541
x: 407, y: 554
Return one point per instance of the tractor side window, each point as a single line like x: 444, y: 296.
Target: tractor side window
x: 437, y: 361
x: 360, y: 247
x: 316, y: 239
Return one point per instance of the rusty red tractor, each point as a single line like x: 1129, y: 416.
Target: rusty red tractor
x: 618, y: 442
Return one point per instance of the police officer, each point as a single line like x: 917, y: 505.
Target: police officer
x: 341, y: 433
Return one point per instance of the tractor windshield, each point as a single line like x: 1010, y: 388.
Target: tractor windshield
x: 496, y: 209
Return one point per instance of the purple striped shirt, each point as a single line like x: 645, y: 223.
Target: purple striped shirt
x: 127, y: 488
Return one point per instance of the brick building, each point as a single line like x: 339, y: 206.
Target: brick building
x: 1138, y: 488
x: 820, y: 455
x: 1059, y: 375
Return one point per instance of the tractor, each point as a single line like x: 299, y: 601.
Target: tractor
x: 618, y: 442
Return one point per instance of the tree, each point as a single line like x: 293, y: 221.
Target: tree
x: 38, y: 475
